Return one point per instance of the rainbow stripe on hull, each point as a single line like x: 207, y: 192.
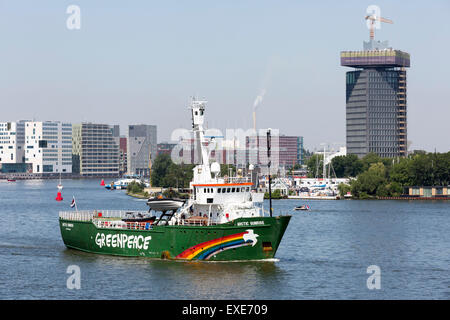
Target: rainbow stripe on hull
x: 205, y: 250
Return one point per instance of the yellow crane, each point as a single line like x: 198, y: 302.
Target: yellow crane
x: 373, y: 19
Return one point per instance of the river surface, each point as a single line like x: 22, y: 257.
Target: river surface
x: 324, y: 254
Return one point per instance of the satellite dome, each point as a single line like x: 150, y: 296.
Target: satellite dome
x: 215, y: 167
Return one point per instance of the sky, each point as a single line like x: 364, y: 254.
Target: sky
x: 139, y: 62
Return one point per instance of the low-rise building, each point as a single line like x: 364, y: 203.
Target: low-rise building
x: 437, y: 192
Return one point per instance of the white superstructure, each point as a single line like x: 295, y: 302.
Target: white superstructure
x: 214, y: 198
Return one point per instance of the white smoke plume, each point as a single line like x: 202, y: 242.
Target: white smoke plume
x: 259, y: 99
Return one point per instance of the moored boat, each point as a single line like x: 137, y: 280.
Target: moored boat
x: 123, y: 183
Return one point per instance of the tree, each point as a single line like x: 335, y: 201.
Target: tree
x: 369, y: 159
x: 225, y: 169
x: 315, y: 164
x: 347, y: 166
x: 441, y: 168
x: 160, y: 168
x: 135, y: 187
x: 394, y: 189
x: 400, y: 172
x: 421, y: 170
x: 370, y: 182
x: 344, y: 188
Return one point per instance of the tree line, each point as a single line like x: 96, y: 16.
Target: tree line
x: 376, y: 176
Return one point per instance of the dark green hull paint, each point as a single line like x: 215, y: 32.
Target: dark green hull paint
x: 170, y: 241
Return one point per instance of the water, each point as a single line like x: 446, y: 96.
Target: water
x: 324, y: 253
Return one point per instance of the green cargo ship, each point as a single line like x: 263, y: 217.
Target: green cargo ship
x: 223, y: 220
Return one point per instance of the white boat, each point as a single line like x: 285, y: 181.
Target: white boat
x: 320, y: 194
x: 165, y: 204
x: 123, y: 183
x: 60, y: 186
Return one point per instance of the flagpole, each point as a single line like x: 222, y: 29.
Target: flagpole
x: 74, y: 201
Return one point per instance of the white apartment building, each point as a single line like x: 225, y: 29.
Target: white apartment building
x: 12, y: 140
x: 48, y: 146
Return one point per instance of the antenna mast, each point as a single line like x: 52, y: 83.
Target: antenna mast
x: 268, y: 165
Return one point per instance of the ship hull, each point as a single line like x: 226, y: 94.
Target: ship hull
x: 241, y: 239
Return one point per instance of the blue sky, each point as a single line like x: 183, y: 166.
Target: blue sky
x: 140, y: 61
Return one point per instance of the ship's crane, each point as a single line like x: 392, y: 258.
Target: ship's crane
x: 372, y: 20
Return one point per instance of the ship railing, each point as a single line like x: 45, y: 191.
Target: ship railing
x: 76, y: 215
x: 89, y: 215
x: 196, y: 222
x: 237, y: 179
x: 118, y: 224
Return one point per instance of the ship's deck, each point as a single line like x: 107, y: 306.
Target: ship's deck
x: 112, y: 219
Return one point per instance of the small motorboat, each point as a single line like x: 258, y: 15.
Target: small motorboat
x: 11, y: 180
x: 164, y: 204
x: 303, y: 207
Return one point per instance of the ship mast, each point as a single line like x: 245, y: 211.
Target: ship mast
x: 203, y: 170
x: 268, y: 165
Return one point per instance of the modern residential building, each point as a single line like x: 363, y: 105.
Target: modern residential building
x: 95, y: 150
x: 48, y: 146
x: 286, y: 151
x: 376, y: 100
x: 291, y: 151
x: 142, y: 148
x: 12, y: 147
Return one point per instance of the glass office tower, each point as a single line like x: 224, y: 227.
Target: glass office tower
x: 376, y: 101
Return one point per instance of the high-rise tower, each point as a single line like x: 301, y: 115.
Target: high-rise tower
x: 376, y: 100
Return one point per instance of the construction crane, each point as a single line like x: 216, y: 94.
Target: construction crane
x: 373, y: 18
